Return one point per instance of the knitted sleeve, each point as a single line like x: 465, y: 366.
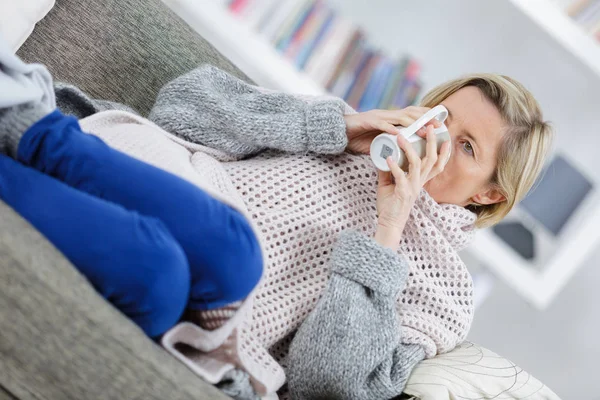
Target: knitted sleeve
x: 349, y: 347
x: 210, y: 107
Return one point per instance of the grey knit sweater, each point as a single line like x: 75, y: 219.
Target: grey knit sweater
x: 350, y: 346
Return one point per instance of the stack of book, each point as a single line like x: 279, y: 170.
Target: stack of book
x: 333, y: 51
x: 586, y: 13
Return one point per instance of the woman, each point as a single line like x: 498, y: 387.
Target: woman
x: 301, y: 202
x: 302, y: 174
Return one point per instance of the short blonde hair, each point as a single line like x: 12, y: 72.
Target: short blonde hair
x: 526, y: 144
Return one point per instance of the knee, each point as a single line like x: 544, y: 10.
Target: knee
x: 242, y: 265
x: 165, y: 286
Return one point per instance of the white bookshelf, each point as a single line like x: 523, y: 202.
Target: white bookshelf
x: 254, y: 55
x: 250, y: 52
x: 552, y: 19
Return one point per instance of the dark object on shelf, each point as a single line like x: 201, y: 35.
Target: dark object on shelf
x: 557, y: 196
x: 518, y: 237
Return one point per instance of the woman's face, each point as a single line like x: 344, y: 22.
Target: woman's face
x: 476, y: 129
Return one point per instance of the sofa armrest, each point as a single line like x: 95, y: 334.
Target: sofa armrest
x: 60, y: 340
x: 119, y: 50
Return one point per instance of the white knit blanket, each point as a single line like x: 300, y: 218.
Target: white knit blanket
x: 299, y: 204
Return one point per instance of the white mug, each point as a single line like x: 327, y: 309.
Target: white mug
x: 386, y: 145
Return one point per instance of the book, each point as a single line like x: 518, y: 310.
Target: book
x: 576, y: 7
x: 255, y: 11
x: 321, y: 28
x: 237, y: 6
x: 307, y: 28
x: 412, y: 72
x: 348, y: 75
x: 588, y: 13
x: 323, y: 61
x: 394, y: 84
x: 267, y: 13
x: 339, y: 41
x: 362, y: 80
x: 348, y: 50
x: 283, y: 11
x: 315, y: 62
x: 286, y: 35
x: 374, y: 88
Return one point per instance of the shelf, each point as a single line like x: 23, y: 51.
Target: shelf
x: 563, y: 29
x: 541, y: 287
x: 245, y: 48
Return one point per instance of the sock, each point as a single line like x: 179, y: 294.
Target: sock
x: 212, y: 319
x: 15, y: 121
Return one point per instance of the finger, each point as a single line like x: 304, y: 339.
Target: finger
x: 384, y: 178
x: 442, y: 160
x: 416, y: 112
x: 414, y: 162
x: 430, y: 150
x: 384, y: 126
x: 396, y: 117
x: 396, y: 171
x: 436, y: 123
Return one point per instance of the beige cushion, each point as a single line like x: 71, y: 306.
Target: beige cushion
x: 18, y: 17
x: 473, y: 372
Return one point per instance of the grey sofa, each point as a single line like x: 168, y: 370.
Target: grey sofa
x: 58, y: 338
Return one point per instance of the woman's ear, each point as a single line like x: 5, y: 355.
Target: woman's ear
x: 490, y: 196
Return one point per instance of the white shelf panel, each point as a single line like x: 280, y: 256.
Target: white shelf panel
x: 561, y: 28
x: 245, y: 48
x: 540, y: 288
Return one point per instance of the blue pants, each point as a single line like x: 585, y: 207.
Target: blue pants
x: 149, y: 242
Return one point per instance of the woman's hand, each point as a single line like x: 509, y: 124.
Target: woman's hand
x: 397, y: 191
x: 362, y: 128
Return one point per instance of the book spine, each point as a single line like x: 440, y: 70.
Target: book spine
x: 300, y: 36
x: 412, y: 72
x: 344, y: 83
x: 393, y: 87
x: 281, y: 15
x: 368, y: 100
x: 316, y: 62
x: 296, y: 22
x: 348, y: 50
x: 362, y: 80
x: 321, y: 29
x: 338, y: 45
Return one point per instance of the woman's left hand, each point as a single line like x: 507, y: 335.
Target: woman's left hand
x: 361, y: 128
x: 397, y: 191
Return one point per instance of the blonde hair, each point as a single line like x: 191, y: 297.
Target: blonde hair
x: 526, y: 144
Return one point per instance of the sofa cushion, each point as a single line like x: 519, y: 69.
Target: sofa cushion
x: 119, y: 50
x: 473, y: 372
x: 17, y: 19
x: 60, y: 340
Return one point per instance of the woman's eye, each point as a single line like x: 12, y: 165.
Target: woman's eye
x: 468, y: 147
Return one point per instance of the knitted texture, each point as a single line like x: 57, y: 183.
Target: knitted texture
x: 211, y: 100
x: 356, y: 319
x: 300, y: 204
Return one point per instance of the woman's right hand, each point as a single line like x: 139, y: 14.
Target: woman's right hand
x: 361, y: 128
x: 397, y: 191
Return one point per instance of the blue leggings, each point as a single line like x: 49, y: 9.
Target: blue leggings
x: 149, y: 242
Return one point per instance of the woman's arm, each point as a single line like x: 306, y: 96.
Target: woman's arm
x: 349, y: 347
x: 215, y: 109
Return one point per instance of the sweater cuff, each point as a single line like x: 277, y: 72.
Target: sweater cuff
x: 361, y: 259
x: 326, y: 127
x: 15, y: 121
